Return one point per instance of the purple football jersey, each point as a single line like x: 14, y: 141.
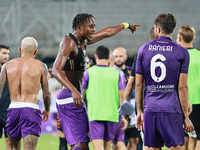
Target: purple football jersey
x: 160, y: 62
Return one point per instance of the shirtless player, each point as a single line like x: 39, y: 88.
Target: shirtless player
x: 24, y: 76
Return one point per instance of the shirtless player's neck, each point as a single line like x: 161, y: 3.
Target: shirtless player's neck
x: 27, y: 54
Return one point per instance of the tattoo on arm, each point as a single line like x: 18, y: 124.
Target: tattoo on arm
x: 2, y: 78
x: 45, y: 88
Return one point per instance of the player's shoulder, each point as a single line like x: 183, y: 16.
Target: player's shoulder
x: 68, y: 40
x: 91, y: 68
x: 145, y: 46
x: 38, y: 63
x: 128, y: 67
x: 182, y: 49
x: 194, y: 50
x: 13, y: 61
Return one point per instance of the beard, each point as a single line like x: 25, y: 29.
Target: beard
x: 2, y: 62
x: 119, y: 65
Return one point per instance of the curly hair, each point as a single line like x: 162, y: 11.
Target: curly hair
x: 81, y: 19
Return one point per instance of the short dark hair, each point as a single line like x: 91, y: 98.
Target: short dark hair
x: 81, y: 19
x: 102, y: 52
x: 166, y: 21
x: 3, y: 46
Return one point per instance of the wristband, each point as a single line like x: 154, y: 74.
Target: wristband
x: 126, y: 25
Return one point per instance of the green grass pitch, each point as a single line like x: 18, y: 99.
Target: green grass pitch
x: 46, y: 141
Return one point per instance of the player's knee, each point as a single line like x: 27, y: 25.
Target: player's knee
x: 82, y: 146
x: 61, y: 134
x: 134, y: 141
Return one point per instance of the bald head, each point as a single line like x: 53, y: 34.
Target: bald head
x: 29, y: 45
x: 119, y: 49
x: 120, y: 57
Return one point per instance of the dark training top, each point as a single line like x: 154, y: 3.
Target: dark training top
x: 5, y: 98
x: 133, y: 66
x: 77, y: 63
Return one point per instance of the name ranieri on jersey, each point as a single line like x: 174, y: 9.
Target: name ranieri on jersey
x: 160, y: 48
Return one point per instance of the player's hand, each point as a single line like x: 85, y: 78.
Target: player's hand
x: 78, y: 101
x: 46, y: 115
x: 127, y: 118
x: 133, y: 27
x: 124, y: 124
x: 139, y: 121
x: 188, y: 126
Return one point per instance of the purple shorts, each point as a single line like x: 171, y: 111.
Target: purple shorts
x: 160, y: 128
x: 119, y: 134
x: 74, y: 121
x: 103, y: 130
x: 23, y: 121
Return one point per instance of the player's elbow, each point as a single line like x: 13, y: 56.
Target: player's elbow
x: 47, y: 96
x: 183, y: 88
x: 55, y: 72
x: 129, y: 87
x: 138, y: 85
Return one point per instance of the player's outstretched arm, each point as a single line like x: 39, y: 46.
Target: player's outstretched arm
x: 46, y: 93
x: 111, y: 31
x: 183, y: 96
x: 2, y: 78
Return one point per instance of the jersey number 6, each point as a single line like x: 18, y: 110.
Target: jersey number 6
x: 155, y: 64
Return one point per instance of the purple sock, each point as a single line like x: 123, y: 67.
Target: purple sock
x: 77, y: 148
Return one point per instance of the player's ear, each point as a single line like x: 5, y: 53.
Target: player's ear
x: 20, y: 50
x: 95, y: 56
x: 179, y: 38
x: 35, y: 52
x: 80, y: 28
x: 159, y: 29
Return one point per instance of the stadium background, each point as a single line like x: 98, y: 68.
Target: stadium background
x: 48, y: 21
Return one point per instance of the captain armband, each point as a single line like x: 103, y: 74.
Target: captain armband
x: 126, y: 25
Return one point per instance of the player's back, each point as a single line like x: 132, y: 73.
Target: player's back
x: 162, y: 62
x: 24, y: 77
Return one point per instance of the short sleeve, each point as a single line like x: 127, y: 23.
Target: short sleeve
x: 85, y: 80
x: 185, y: 61
x: 139, y: 66
x: 121, y: 80
x: 133, y: 66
